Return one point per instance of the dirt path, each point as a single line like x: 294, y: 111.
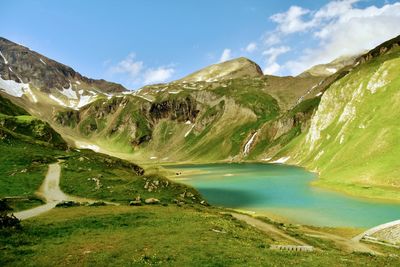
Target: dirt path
x: 50, y: 191
x: 266, y: 227
x: 345, y: 244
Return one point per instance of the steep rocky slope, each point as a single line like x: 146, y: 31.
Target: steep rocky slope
x: 353, y: 139
x: 33, y: 80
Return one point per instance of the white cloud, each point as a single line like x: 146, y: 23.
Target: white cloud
x: 226, y: 55
x: 136, y: 73
x: 158, y: 75
x: 272, y: 54
x: 272, y: 68
x: 292, y: 20
x: 251, y: 47
x: 339, y: 28
x: 129, y: 66
x: 271, y: 38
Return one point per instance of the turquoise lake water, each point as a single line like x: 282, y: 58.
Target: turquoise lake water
x: 285, y: 191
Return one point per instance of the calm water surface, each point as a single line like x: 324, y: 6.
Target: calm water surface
x: 285, y: 191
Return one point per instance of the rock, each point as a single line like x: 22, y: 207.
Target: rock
x: 97, y: 204
x: 152, y: 201
x: 67, y: 204
x: 135, y: 203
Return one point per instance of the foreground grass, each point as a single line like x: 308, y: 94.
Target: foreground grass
x: 155, y: 235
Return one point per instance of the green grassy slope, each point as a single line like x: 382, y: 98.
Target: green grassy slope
x: 353, y: 141
x: 28, y: 145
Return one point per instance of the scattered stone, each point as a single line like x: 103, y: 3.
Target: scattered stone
x: 218, y: 231
x: 67, y: 204
x: 152, y: 201
x: 97, y: 181
x: 293, y: 248
x: 97, y: 204
x: 135, y: 203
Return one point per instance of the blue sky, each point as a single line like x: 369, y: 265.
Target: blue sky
x: 142, y: 42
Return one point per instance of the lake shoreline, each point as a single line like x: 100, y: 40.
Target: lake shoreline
x: 187, y: 171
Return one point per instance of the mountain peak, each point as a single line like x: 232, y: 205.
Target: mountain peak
x: 234, y: 68
x: 325, y: 70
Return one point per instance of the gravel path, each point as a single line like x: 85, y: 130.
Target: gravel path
x: 50, y: 191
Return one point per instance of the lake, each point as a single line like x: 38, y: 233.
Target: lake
x: 285, y: 191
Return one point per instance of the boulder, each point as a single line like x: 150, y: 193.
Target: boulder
x: 152, y: 201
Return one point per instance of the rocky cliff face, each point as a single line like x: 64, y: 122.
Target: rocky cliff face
x: 353, y: 136
x: 20, y: 64
x: 35, y: 80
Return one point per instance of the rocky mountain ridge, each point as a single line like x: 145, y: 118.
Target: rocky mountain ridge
x: 36, y: 78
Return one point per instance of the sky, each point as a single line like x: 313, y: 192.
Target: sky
x: 135, y: 42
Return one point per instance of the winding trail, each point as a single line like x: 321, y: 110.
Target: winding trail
x: 266, y: 227
x: 50, y: 191
x: 348, y: 245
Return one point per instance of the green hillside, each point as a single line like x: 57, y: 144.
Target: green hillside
x: 353, y: 139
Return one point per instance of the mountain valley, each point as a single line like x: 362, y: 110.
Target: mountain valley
x: 338, y: 120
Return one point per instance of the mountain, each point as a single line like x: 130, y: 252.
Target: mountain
x: 325, y: 70
x: 16, y: 123
x: 231, y: 69
x: 198, y: 118
x: 33, y: 79
x: 342, y: 125
x: 353, y: 139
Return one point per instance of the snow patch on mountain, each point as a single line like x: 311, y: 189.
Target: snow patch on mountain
x: 331, y: 70
x: 13, y: 88
x: 190, y: 130
x: 31, y: 94
x: 84, y: 100
x: 69, y: 92
x: 59, y: 101
x: 4, y: 58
